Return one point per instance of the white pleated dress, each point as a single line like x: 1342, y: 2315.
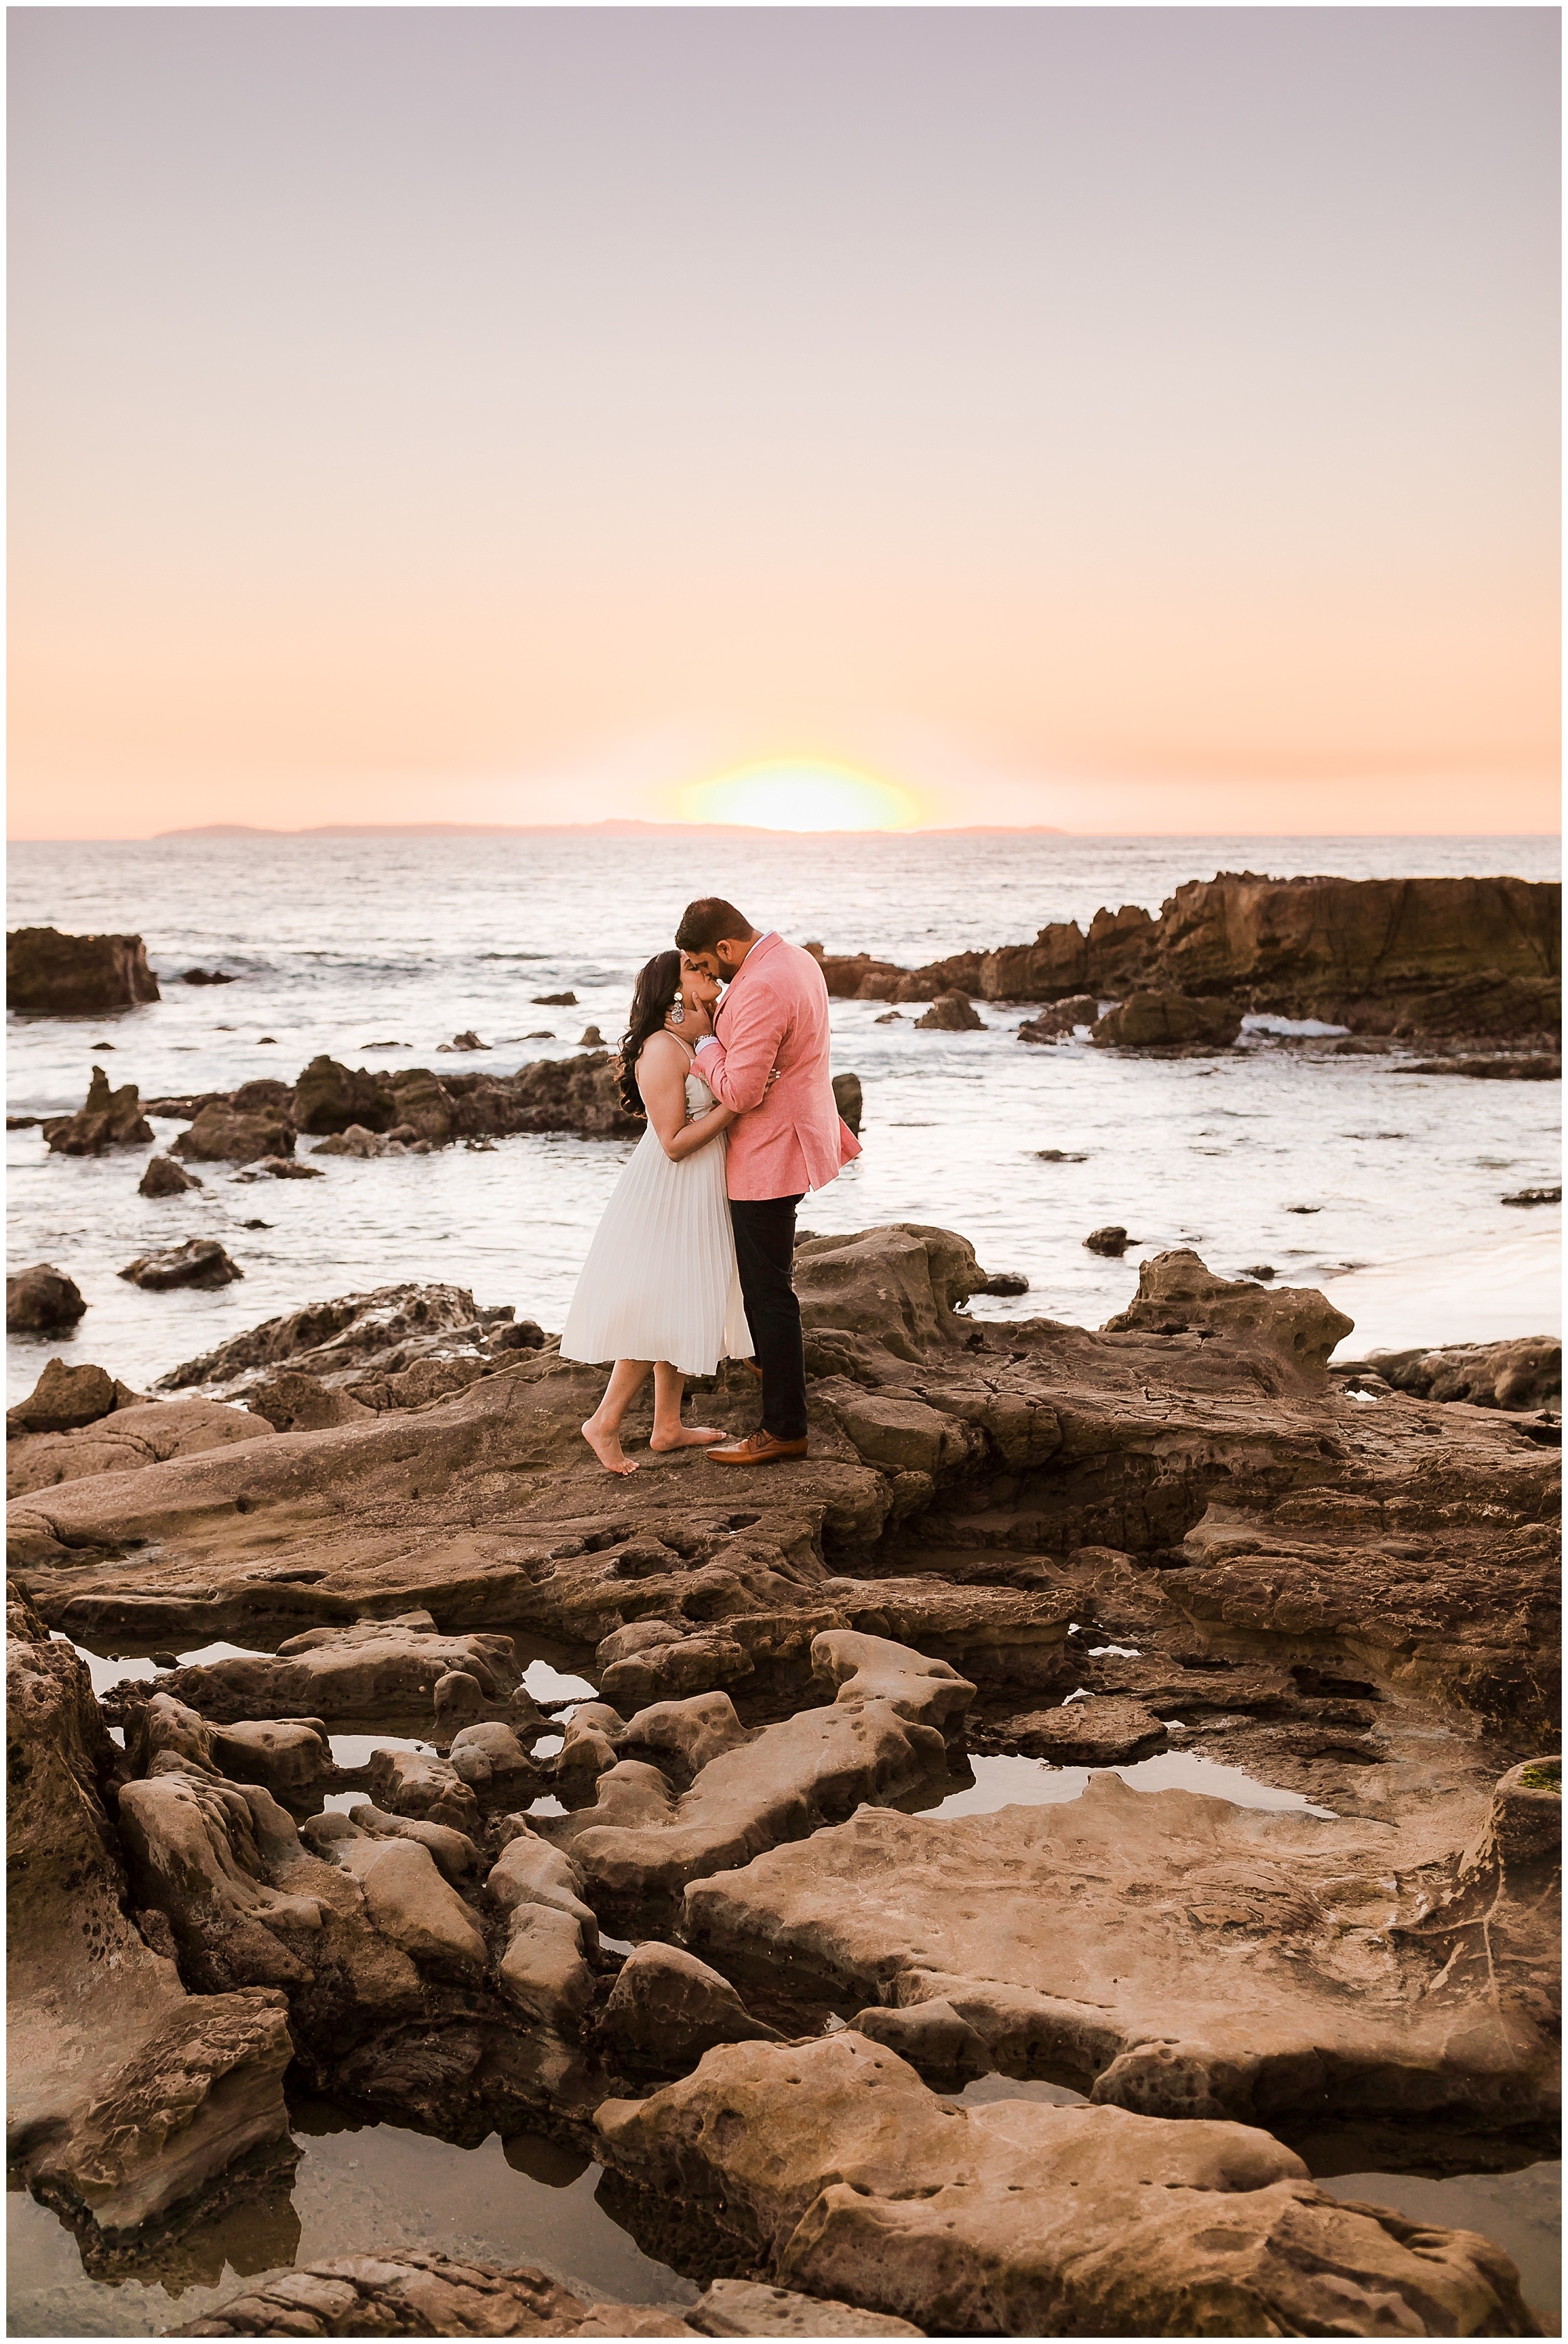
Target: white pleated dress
x: 660, y: 1281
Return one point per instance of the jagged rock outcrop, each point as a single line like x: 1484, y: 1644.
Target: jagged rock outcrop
x: 1062, y: 1018
x: 52, y: 975
x: 834, y: 2167
x: 1440, y: 957
x: 105, y: 1119
x: 41, y: 1300
x: 381, y: 1331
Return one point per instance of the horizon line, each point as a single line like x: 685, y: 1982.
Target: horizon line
x: 625, y: 826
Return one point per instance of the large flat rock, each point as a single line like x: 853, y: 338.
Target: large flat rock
x: 1177, y: 1953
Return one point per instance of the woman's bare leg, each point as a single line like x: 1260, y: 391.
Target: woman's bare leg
x: 669, y: 1432
x: 602, y: 1428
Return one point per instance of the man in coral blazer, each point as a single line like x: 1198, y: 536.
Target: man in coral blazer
x: 773, y: 1021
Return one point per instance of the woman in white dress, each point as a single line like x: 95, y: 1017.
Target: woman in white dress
x: 660, y: 1289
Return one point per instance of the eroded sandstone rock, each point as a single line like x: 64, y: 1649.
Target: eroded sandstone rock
x: 833, y: 2165
x: 374, y: 1665
x: 1178, y: 1954
x: 1176, y: 1292
x: 393, y: 2291
x: 165, y: 1177
x: 126, y: 2095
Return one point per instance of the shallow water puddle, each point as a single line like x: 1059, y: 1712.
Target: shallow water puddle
x: 108, y: 1670
x: 357, y: 2186
x: 1521, y: 2212
x: 1035, y: 1783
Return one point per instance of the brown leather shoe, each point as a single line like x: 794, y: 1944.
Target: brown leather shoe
x: 760, y: 1449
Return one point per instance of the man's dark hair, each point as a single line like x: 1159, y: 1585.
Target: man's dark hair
x: 711, y: 921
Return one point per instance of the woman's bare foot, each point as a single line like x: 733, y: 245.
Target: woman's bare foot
x: 606, y: 1447
x: 695, y: 1436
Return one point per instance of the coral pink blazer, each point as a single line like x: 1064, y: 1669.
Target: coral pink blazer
x: 775, y: 1013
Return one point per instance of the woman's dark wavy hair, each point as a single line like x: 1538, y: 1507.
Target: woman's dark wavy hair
x: 657, y: 985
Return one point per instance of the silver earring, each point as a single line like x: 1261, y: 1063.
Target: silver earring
x: 678, y: 1014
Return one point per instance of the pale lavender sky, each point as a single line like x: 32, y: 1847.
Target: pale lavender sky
x: 1114, y: 417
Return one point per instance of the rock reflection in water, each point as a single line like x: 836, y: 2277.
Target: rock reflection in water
x: 528, y: 2199
x: 1034, y: 1783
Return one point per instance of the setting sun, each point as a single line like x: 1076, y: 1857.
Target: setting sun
x: 801, y: 793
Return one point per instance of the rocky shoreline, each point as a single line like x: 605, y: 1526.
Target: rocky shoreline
x: 1438, y: 958
x: 744, y: 1926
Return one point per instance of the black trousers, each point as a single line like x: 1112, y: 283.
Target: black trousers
x: 764, y: 1253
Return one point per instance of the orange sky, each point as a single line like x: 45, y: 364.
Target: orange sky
x: 1122, y: 419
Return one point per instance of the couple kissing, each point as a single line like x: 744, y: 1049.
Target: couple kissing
x: 725, y: 1056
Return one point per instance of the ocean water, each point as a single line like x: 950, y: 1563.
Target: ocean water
x: 1384, y: 1188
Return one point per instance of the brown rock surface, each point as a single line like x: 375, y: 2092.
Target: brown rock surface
x: 49, y: 974
x: 1184, y: 1956
x: 833, y: 2164
x: 65, y: 1398
x: 1153, y: 1021
x: 199, y: 1261
x: 1440, y: 957
x: 165, y: 1177
x: 1062, y: 1018
x: 125, y: 2095
x: 144, y: 1432
x: 1350, y: 1602
x: 950, y: 1012
x: 41, y: 1300
x: 1524, y: 1373
x: 392, y: 2291
x: 105, y: 1119
x: 1176, y: 1293
x: 225, y: 1135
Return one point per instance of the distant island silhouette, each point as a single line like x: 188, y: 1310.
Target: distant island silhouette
x: 610, y: 829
